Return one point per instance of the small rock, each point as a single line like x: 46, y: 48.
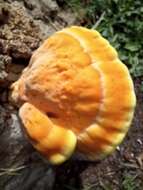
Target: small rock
x: 15, y: 127
x: 140, y: 160
x: 3, y: 77
x: 50, y: 5
x: 4, y: 60
x: 19, y: 36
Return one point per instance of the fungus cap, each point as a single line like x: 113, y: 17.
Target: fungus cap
x: 76, y: 94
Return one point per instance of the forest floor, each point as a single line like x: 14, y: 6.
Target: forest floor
x: 23, y: 26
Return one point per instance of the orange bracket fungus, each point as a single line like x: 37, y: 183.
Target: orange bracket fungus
x: 76, y: 95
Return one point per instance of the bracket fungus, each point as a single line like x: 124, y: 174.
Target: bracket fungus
x: 75, y: 94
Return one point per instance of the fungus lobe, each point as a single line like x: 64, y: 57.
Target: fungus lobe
x: 77, y: 94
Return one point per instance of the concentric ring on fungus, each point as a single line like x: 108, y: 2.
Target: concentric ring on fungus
x: 77, y: 94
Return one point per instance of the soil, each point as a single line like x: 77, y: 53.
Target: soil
x: 23, y: 26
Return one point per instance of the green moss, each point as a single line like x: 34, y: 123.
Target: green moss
x: 129, y: 183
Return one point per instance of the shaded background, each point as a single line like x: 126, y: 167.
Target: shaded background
x: 23, y: 26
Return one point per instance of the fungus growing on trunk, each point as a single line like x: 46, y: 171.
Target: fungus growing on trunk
x: 77, y: 94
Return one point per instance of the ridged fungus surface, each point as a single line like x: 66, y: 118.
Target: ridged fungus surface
x: 76, y: 95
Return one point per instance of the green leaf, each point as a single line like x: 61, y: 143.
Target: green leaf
x: 122, y: 26
x: 132, y: 46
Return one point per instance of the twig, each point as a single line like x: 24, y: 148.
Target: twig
x: 128, y: 165
x: 10, y: 171
x: 52, y: 24
x: 98, y: 21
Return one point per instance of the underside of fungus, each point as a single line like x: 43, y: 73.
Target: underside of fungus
x: 75, y: 94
